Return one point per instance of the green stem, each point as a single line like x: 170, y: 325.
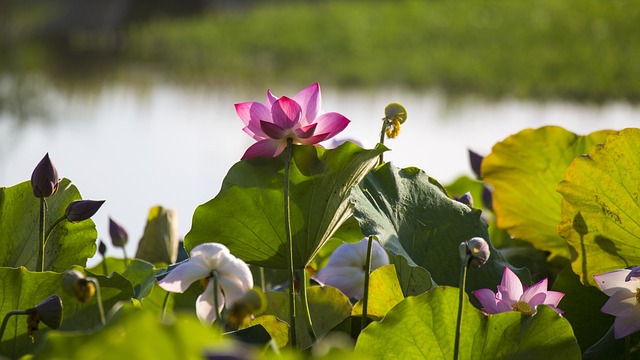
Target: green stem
x: 165, y: 304
x: 41, y: 237
x: 95, y: 283
x: 385, y: 124
x: 304, y: 280
x: 53, y: 227
x: 104, y: 266
x: 6, y: 320
x: 126, y: 259
x: 216, y: 304
x: 287, y: 228
x: 263, y: 285
x: 463, y: 282
x: 627, y: 346
x: 365, y: 297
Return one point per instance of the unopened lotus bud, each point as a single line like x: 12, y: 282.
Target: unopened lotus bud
x: 466, y: 199
x: 102, y: 248
x: 82, y: 209
x: 477, y: 248
x: 74, y: 282
x: 487, y: 197
x: 119, y: 236
x: 475, y: 160
x: 44, y: 179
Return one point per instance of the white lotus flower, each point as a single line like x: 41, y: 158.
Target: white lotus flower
x: 623, y: 287
x: 346, y: 267
x: 234, y: 278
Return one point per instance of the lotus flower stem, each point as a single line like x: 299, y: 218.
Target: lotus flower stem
x: 6, y: 319
x: 126, y: 259
x: 463, y: 281
x: 263, y: 286
x: 304, y: 280
x: 216, y: 304
x: 287, y: 229
x: 95, y: 283
x: 165, y: 304
x: 385, y: 124
x: 41, y: 234
x: 367, y: 271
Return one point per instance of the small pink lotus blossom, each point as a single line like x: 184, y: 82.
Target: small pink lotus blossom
x: 623, y: 287
x: 300, y: 119
x: 513, y: 296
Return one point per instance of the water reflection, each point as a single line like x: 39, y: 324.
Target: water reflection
x: 172, y: 146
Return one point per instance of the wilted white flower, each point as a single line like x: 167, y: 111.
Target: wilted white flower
x: 234, y: 278
x: 346, y: 267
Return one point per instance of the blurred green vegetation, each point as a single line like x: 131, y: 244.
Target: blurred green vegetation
x: 584, y: 50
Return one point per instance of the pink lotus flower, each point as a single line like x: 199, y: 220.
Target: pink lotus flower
x: 513, y: 296
x: 623, y: 287
x: 279, y: 119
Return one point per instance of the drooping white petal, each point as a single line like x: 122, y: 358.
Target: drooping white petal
x: 349, y: 280
x: 185, y: 274
x: 621, y: 303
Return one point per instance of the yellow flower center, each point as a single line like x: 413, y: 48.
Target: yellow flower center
x: 638, y: 295
x: 393, y: 129
x: 523, y: 307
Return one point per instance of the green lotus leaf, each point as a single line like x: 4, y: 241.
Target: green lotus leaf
x: 328, y: 307
x: 277, y: 329
x: 69, y: 243
x: 22, y: 289
x: 601, y: 207
x: 136, y: 334
x: 524, y: 170
x: 141, y: 274
x: 412, y: 216
x: 423, y: 327
x: 247, y: 215
x: 384, y: 293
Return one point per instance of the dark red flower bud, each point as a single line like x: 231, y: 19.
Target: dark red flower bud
x: 44, y: 179
x: 82, y: 209
x: 119, y: 236
x: 475, y: 160
x: 102, y: 248
x: 477, y: 248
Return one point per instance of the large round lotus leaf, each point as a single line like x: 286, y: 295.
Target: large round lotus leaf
x: 248, y: 214
x: 412, y: 216
x: 69, y: 244
x: 524, y: 170
x: 423, y: 327
x: 384, y: 293
x: 137, y: 334
x: 21, y: 289
x: 601, y: 212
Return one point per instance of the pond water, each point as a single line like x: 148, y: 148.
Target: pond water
x: 172, y: 146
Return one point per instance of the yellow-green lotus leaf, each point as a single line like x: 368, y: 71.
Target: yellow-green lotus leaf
x: 524, y: 170
x: 601, y: 207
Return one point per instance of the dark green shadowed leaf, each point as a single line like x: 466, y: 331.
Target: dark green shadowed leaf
x: 248, y: 216
x: 412, y: 216
x: 423, y: 327
x: 69, y: 244
x: 21, y: 289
